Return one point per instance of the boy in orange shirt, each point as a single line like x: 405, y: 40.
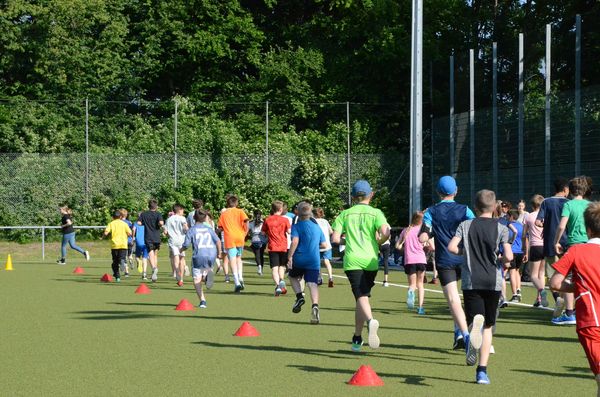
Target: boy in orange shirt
x: 234, y: 224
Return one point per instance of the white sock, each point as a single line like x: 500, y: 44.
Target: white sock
x: 236, y: 280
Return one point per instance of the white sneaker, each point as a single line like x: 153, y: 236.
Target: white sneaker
x: 259, y: 270
x: 314, y: 315
x: 373, y: 326
x: 210, y: 279
x: 87, y: 255
x: 186, y: 272
x: 560, y: 306
x: 154, y: 275
x: 476, y: 334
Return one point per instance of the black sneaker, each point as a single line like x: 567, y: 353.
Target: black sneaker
x: 298, y: 305
x: 515, y: 298
x: 502, y: 303
x: 357, y: 343
x: 459, y: 343
x: 61, y: 261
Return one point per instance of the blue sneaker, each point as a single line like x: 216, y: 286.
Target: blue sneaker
x: 459, y: 342
x: 564, y: 320
x: 202, y: 304
x: 421, y: 311
x: 357, y: 343
x: 470, y: 351
x: 410, y: 299
x: 481, y: 378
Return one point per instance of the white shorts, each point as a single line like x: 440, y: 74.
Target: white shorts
x: 175, y: 251
x: 200, y: 272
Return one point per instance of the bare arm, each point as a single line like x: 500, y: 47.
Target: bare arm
x: 559, y: 283
x: 293, y: 247
x: 384, y: 234
x: 453, y: 246
x: 336, y: 237
x: 507, y: 256
x: 559, y: 232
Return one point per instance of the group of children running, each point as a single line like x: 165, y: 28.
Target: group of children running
x: 477, y: 247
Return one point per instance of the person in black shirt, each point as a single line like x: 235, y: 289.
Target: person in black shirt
x: 68, y: 232
x: 152, y: 221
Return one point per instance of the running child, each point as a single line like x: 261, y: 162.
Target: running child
x: 68, y: 238
x: 517, y: 250
x: 152, y: 221
x: 582, y: 261
x: 415, y: 262
x: 360, y: 225
x: 119, y: 231
x: 478, y: 241
x: 128, y: 265
x: 534, y: 252
x: 304, y: 260
x: 258, y: 241
x: 141, y: 251
x: 234, y: 223
x: 176, y: 228
x: 326, y: 253
x: 277, y: 229
x: 206, y: 247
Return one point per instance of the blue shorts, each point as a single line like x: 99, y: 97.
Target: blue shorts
x: 326, y: 254
x: 234, y: 252
x: 310, y: 275
x: 141, y: 250
x: 203, y: 262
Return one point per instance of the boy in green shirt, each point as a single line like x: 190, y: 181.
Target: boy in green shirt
x: 360, y: 224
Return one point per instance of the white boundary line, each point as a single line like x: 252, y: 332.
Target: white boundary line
x: 429, y: 290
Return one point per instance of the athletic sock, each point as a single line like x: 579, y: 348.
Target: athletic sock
x: 555, y: 295
x: 299, y: 295
x: 482, y: 368
x: 315, y: 305
x: 236, y: 279
x: 569, y: 312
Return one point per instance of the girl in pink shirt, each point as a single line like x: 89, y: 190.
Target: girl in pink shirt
x: 415, y: 261
x: 534, y: 251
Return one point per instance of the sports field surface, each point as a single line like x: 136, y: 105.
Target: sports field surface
x: 68, y: 334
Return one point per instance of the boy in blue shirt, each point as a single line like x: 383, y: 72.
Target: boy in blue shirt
x: 517, y: 249
x: 305, y: 260
x: 141, y: 251
x: 206, y: 246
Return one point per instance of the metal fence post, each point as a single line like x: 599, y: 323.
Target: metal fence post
x: 175, y: 144
x: 348, y: 154
x: 416, y: 108
x: 495, y: 116
x: 521, y: 115
x: 267, y: 142
x: 452, y: 167
x: 43, y: 243
x: 431, y: 173
x: 547, y: 134
x: 472, y: 122
x: 87, y: 151
x: 578, y: 94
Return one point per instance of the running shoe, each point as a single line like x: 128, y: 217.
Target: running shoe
x: 519, y: 292
x: 61, y: 261
x: 330, y: 284
x: 314, y: 315
x: 434, y: 281
x: 186, y: 271
x: 544, y: 298
x: 237, y: 289
x: 277, y: 291
x: 559, y: 307
x: 227, y: 279
x: 87, y: 255
x: 410, y: 299
x: 373, y: 326
x: 482, y: 378
x: 126, y: 275
x: 474, y: 339
x: 563, y: 319
x: 202, y: 305
x: 470, y: 351
x: 117, y: 280
x: 537, y: 303
x: 180, y: 283
x: 421, y: 311
x: 502, y: 303
x: 242, y: 285
x: 320, y: 281
x: 144, y: 277
x: 459, y: 342
x: 259, y: 270
x: 282, y: 287
x: 385, y: 284
x: 515, y: 299
x: 298, y: 305
x: 210, y: 279
x: 139, y: 267
x: 357, y: 343
x: 154, y: 275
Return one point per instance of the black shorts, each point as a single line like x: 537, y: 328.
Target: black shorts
x: 484, y: 302
x: 310, y: 275
x: 152, y: 246
x: 412, y: 268
x: 536, y: 253
x: 517, y: 261
x: 361, y: 282
x: 278, y: 259
x: 448, y: 275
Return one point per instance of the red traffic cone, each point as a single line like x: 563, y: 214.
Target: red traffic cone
x: 107, y: 278
x: 184, y: 304
x: 78, y: 270
x: 142, y: 289
x: 365, y: 376
x: 247, y: 330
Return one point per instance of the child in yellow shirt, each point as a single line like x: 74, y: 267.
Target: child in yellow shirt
x: 119, y: 231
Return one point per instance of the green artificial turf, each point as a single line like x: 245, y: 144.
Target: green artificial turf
x: 67, y: 334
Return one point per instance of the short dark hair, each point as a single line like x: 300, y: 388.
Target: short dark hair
x: 200, y: 216
x: 591, y: 217
x: 116, y: 214
x: 485, y: 200
x: 232, y: 201
x: 560, y: 184
x: 514, y: 214
x: 152, y: 204
x: 197, y: 204
x: 177, y: 207
x: 319, y: 213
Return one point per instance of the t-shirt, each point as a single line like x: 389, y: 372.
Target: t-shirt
x: 151, y: 222
x: 232, y: 222
x: 534, y: 232
x: 413, y: 248
x: 582, y: 260
x: 139, y: 235
x: 574, y: 210
x: 128, y: 222
x: 550, y: 212
x: 517, y: 245
x: 256, y: 236
x: 309, y: 237
x: 63, y: 221
x: 325, y: 228
x: 443, y: 219
x: 277, y: 227
x: 190, y: 219
x: 175, y: 226
x: 522, y: 216
x: 481, y: 238
x: 203, y: 240
x: 118, y: 231
x: 360, y: 223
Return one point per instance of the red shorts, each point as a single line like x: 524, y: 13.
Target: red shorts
x: 589, y: 338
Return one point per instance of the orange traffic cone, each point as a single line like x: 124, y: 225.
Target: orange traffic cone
x: 78, y: 270
x: 246, y: 330
x: 184, y: 304
x: 107, y: 278
x: 365, y: 376
x: 142, y: 289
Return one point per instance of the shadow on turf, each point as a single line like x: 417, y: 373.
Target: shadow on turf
x: 555, y: 374
x: 408, y: 379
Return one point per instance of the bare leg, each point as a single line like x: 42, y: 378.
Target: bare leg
x: 538, y: 282
x: 412, y: 281
x: 569, y: 300
x: 362, y: 314
x: 240, y: 268
x: 327, y: 264
x: 275, y: 275
x: 198, y: 287
x: 281, y: 270
x: 181, y: 267
x: 421, y: 287
x: 514, y: 280
x: 484, y: 352
x: 453, y: 299
x: 314, y: 292
x: 295, y: 281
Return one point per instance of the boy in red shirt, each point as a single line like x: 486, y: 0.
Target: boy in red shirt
x: 582, y: 261
x: 277, y: 228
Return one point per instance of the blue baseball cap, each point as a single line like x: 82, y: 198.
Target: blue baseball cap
x: 361, y: 188
x: 447, y: 185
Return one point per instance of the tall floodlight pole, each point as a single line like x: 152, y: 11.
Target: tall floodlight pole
x: 578, y: 95
x: 452, y: 124
x: 416, y: 108
x: 521, y: 115
x: 267, y: 141
x: 495, y: 116
x: 472, y: 123
x: 547, y: 134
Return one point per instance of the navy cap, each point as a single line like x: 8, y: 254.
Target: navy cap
x: 447, y: 185
x: 361, y: 188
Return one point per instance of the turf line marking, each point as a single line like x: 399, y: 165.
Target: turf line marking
x: 429, y: 290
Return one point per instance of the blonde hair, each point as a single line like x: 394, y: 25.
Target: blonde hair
x: 66, y: 209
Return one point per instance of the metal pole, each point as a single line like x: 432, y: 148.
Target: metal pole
x: 43, y: 243
x: 431, y: 183
x: 87, y: 151
x: 472, y: 122
x: 547, y: 135
x: 452, y: 167
x: 175, y: 146
x: 267, y: 142
x: 348, y: 163
x: 520, y: 161
x: 495, y: 116
x: 578, y: 95
x: 416, y: 105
